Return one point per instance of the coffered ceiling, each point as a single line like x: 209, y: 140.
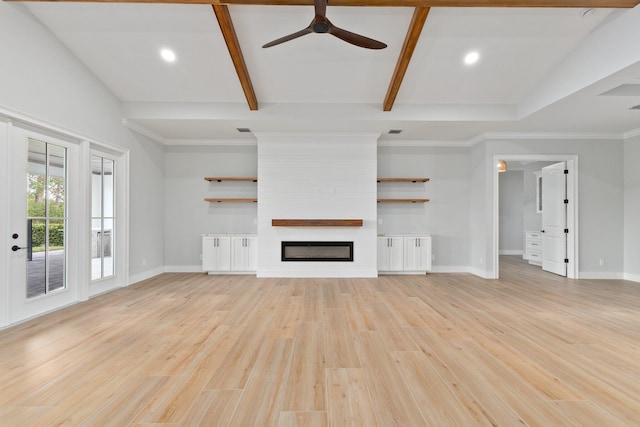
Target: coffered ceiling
x: 541, y: 70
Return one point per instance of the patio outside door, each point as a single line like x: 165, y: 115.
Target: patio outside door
x: 41, y: 224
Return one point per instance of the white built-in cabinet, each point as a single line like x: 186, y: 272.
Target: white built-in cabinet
x: 404, y: 253
x: 225, y: 253
x: 417, y: 253
x: 533, y: 247
x: 390, y: 253
x: 244, y: 252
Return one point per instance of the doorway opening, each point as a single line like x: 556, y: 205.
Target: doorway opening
x: 571, y: 162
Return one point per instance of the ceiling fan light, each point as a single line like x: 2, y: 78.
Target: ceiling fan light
x: 502, y: 166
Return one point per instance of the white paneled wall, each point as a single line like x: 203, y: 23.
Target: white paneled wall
x: 317, y: 176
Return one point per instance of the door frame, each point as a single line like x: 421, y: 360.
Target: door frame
x: 572, y: 207
x: 121, y: 186
x: 9, y: 120
x: 5, y: 131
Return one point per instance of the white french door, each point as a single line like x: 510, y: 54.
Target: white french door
x: 43, y: 223
x: 554, y: 218
x: 108, y: 176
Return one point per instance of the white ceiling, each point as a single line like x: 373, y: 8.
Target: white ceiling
x: 541, y: 70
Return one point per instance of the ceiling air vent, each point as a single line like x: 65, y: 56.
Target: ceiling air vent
x: 244, y: 130
x: 395, y: 131
x: 635, y: 107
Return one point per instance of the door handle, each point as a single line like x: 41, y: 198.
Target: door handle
x: 16, y: 248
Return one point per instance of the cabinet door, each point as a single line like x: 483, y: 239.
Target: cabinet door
x: 424, y: 253
x: 208, y: 253
x: 216, y: 254
x: 252, y: 253
x: 238, y: 254
x: 383, y: 254
x: 410, y: 253
x: 417, y: 253
x: 396, y: 253
x: 223, y: 254
x: 244, y: 253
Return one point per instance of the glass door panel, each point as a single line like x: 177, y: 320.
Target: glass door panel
x: 102, y: 217
x: 46, y: 218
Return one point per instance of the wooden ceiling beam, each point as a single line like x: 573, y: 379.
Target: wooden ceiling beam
x: 230, y: 37
x: 410, y: 42
x: 622, y: 4
x: 445, y: 3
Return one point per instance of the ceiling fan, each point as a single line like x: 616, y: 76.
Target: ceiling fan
x: 321, y: 24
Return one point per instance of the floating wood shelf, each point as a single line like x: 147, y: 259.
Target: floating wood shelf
x: 229, y: 200
x: 316, y: 222
x: 231, y: 178
x: 403, y: 179
x: 403, y: 200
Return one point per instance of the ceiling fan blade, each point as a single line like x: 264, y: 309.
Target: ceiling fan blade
x: 289, y: 37
x: 321, y: 7
x: 356, y: 39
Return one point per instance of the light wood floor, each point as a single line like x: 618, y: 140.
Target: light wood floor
x: 442, y: 349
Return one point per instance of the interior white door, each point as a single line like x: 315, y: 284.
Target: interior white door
x: 554, y: 218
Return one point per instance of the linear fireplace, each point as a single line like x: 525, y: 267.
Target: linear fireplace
x: 317, y: 251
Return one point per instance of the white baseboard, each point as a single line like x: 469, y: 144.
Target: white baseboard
x: 183, y: 269
x: 450, y: 269
x: 511, y: 252
x: 632, y: 277
x: 317, y: 273
x: 145, y: 275
x: 480, y: 273
x: 601, y: 275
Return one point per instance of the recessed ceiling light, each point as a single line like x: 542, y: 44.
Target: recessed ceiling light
x: 471, y: 57
x: 168, y: 55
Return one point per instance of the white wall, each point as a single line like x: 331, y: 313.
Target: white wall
x: 480, y: 203
x: 445, y: 216
x: 43, y: 80
x: 632, y: 209
x: 319, y: 176
x: 188, y: 216
x: 511, y: 212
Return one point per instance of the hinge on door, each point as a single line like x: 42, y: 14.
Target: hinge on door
x: 566, y: 260
x: 566, y: 171
x: 566, y: 201
x: 566, y: 230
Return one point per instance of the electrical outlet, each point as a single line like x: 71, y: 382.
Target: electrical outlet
x: 200, y: 257
x: 255, y: 221
x: 379, y: 221
x: 602, y: 262
x: 144, y: 262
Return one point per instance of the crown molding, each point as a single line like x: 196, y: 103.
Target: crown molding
x: 210, y: 142
x: 549, y: 136
x: 426, y: 143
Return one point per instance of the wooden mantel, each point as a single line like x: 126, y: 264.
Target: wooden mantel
x: 316, y: 222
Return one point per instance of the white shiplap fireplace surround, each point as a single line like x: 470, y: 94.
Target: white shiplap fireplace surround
x: 317, y: 176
